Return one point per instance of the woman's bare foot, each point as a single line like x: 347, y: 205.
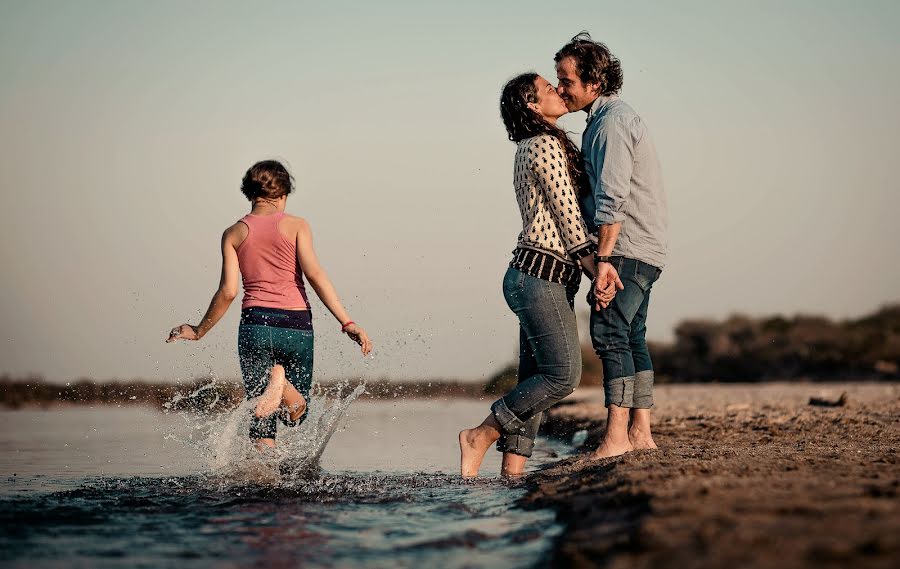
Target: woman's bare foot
x: 474, y: 443
x: 471, y: 451
x: 295, y: 409
x: 513, y: 465
x: 270, y: 400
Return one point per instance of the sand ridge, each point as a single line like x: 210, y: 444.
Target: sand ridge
x: 746, y: 476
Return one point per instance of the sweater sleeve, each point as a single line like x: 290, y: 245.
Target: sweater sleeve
x: 550, y: 170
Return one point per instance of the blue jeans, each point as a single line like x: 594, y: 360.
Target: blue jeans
x: 549, y: 357
x: 618, y: 333
x: 262, y: 343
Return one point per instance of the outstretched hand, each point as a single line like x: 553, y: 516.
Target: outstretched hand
x: 359, y: 336
x: 183, y: 332
x: 606, y: 284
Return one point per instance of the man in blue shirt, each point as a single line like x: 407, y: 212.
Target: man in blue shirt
x: 626, y: 209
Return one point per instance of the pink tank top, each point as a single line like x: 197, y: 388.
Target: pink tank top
x: 269, y: 266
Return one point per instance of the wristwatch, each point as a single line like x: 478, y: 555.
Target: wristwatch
x: 602, y: 258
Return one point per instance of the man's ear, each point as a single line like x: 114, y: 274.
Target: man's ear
x: 595, y: 88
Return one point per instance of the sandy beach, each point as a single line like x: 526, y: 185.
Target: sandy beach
x: 745, y: 476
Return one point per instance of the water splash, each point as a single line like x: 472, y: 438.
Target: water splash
x: 232, y: 459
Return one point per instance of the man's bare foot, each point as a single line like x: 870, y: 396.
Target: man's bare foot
x: 270, y: 400
x: 612, y: 446
x: 473, y: 444
x: 641, y: 439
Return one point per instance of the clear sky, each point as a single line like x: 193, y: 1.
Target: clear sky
x: 125, y: 128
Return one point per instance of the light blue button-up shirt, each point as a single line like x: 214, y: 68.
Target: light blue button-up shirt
x: 626, y: 181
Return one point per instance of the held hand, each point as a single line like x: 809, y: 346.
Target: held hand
x: 606, y: 296
x: 359, y: 336
x: 606, y: 285
x: 183, y: 332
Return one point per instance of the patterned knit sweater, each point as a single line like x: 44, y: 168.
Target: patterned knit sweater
x: 553, y: 234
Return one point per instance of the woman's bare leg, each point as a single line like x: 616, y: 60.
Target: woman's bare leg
x: 270, y: 400
x: 293, y: 400
x: 513, y: 465
x: 474, y: 443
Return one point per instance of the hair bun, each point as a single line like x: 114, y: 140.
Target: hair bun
x: 268, y: 179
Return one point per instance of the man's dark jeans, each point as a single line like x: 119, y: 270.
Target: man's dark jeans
x: 549, y: 357
x: 618, y: 333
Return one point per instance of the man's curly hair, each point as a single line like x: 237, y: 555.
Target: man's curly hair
x: 594, y: 63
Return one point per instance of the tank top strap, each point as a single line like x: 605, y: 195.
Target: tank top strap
x: 263, y: 222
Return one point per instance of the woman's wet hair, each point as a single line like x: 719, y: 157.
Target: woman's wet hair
x: 594, y: 63
x: 268, y: 179
x: 522, y: 122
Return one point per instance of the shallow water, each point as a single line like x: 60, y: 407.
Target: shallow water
x: 115, y: 487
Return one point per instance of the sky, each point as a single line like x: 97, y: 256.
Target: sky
x: 125, y: 128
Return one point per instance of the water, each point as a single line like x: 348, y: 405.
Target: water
x: 116, y: 487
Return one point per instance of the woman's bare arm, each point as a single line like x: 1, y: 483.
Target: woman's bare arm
x: 223, y: 297
x: 320, y: 282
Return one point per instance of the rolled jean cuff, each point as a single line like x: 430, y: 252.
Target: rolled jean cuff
x: 509, y: 423
x: 516, y: 444
x: 619, y: 391
x: 632, y: 392
x: 643, y: 389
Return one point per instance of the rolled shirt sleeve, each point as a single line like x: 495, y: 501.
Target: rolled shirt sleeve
x: 551, y: 171
x: 612, y: 158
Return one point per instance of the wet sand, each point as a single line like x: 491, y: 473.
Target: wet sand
x: 746, y: 476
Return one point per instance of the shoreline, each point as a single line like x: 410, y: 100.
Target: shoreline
x: 746, y: 476
x: 203, y: 394
x: 208, y: 395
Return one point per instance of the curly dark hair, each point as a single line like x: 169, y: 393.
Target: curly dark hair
x: 268, y: 179
x: 522, y: 122
x: 593, y: 62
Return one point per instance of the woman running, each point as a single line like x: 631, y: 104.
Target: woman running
x: 272, y: 251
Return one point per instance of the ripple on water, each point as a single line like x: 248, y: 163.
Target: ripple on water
x: 334, y: 519
x: 276, y: 509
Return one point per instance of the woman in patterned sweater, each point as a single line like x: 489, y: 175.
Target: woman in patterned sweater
x: 543, y: 277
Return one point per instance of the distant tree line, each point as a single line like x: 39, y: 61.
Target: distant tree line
x: 198, y: 394
x: 738, y: 348
x: 742, y: 348
x: 201, y: 395
x: 757, y: 349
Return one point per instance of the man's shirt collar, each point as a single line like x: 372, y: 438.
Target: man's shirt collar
x: 598, y: 104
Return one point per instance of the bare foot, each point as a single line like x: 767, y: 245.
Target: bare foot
x: 641, y: 440
x: 297, y: 409
x: 513, y: 465
x: 472, y: 447
x: 270, y: 400
x: 612, y: 446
